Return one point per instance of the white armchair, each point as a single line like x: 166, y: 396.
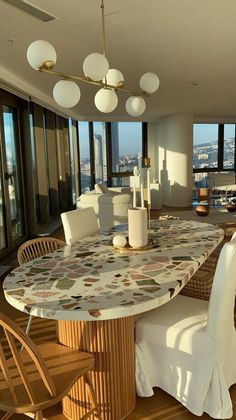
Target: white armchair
x: 111, y: 208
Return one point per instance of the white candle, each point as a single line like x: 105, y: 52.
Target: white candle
x: 148, y: 187
x: 141, y: 192
x: 134, y: 197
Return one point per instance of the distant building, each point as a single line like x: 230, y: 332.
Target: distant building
x: 203, y: 156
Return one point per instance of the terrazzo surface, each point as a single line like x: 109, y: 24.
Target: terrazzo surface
x: 90, y: 280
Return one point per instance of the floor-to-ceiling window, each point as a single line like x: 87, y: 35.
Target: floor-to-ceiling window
x: 12, y: 211
x: 100, y: 152
x: 39, y: 176
x: 109, y: 151
x: 229, y: 146
x: 127, y: 141
x: 85, y: 156
x: 213, y: 154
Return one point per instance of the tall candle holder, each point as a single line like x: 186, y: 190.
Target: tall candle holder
x: 147, y: 165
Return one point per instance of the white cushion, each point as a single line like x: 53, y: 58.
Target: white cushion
x: 101, y: 188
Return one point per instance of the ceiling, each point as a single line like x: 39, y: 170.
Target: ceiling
x: 183, y: 41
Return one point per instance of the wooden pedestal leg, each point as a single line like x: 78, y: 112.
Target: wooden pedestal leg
x: 112, y: 343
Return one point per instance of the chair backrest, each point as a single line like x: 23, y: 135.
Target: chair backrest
x: 220, y: 323
x: 37, y: 247
x: 15, y: 372
x: 79, y: 223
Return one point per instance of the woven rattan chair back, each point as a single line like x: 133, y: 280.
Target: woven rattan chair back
x: 41, y: 375
x: 37, y: 247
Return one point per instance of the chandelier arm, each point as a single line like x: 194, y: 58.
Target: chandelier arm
x: 103, y: 30
x: 92, y: 82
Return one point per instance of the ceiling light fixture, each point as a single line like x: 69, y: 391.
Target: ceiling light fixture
x: 42, y: 57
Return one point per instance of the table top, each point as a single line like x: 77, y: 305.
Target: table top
x: 90, y: 280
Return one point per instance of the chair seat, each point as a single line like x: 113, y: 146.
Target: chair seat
x: 175, y: 324
x: 166, y: 340
x: 65, y: 366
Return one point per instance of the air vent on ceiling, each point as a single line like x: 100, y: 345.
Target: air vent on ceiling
x: 33, y: 10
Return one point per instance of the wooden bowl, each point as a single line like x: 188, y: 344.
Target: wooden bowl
x: 202, y: 210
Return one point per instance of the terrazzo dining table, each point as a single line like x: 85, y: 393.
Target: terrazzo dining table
x: 94, y: 291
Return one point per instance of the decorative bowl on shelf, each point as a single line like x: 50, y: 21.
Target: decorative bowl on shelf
x: 231, y: 207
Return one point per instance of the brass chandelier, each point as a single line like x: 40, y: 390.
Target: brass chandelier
x: 42, y: 56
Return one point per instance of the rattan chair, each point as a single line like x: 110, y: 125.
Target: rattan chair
x: 39, y: 376
x: 36, y: 248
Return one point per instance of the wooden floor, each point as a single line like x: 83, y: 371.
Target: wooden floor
x: 161, y: 406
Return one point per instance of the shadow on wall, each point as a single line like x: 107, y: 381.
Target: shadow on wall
x: 171, y: 194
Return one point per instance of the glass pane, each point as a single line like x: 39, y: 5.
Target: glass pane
x: 13, y: 171
x: 126, y: 145
x: 72, y: 161
x: 2, y: 219
x: 84, y: 147
x: 120, y: 181
x: 205, y: 145
x: 229, y: 145
x: 100, y: 160
x: 200, y: 180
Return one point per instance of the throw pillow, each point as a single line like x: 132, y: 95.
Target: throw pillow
x: 101, y: 188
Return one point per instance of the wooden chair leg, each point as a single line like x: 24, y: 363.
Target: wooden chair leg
x: 38, y: 415
x: 92, y: 395
x: 7, y: 416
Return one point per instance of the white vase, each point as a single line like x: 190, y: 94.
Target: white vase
x: 137, y: 227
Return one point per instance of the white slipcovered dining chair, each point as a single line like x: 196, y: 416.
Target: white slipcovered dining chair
x: 187, y: 347
x: 78, y: 224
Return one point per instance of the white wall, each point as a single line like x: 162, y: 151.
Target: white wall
x: 170, y: 146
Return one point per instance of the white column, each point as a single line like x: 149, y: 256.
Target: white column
x: 171, y: 143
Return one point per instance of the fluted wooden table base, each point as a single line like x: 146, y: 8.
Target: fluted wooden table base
x: 112, y: 343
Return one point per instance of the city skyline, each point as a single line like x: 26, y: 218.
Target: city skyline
x: 131, y: 131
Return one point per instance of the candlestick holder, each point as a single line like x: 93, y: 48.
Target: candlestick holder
x: 149, y: 222
x: 147, y: 165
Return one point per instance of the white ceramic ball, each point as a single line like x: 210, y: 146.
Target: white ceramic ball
x: 119, y: 241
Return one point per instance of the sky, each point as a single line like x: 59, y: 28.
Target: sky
x: 204, y: 133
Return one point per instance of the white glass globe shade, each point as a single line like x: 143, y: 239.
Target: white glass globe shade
x: 106, y: 100
x: 119, y: 241
x: 114, y: 77
x: 135, y: 106
x: 149, y: 82
x: 40, y: 51
x: 95, y: 66
x: 66, y: 93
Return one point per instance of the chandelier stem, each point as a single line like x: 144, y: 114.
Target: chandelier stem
x: 103, y: 29
x: 91, y: 82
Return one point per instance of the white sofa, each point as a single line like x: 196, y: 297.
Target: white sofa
x: 111, y: 208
